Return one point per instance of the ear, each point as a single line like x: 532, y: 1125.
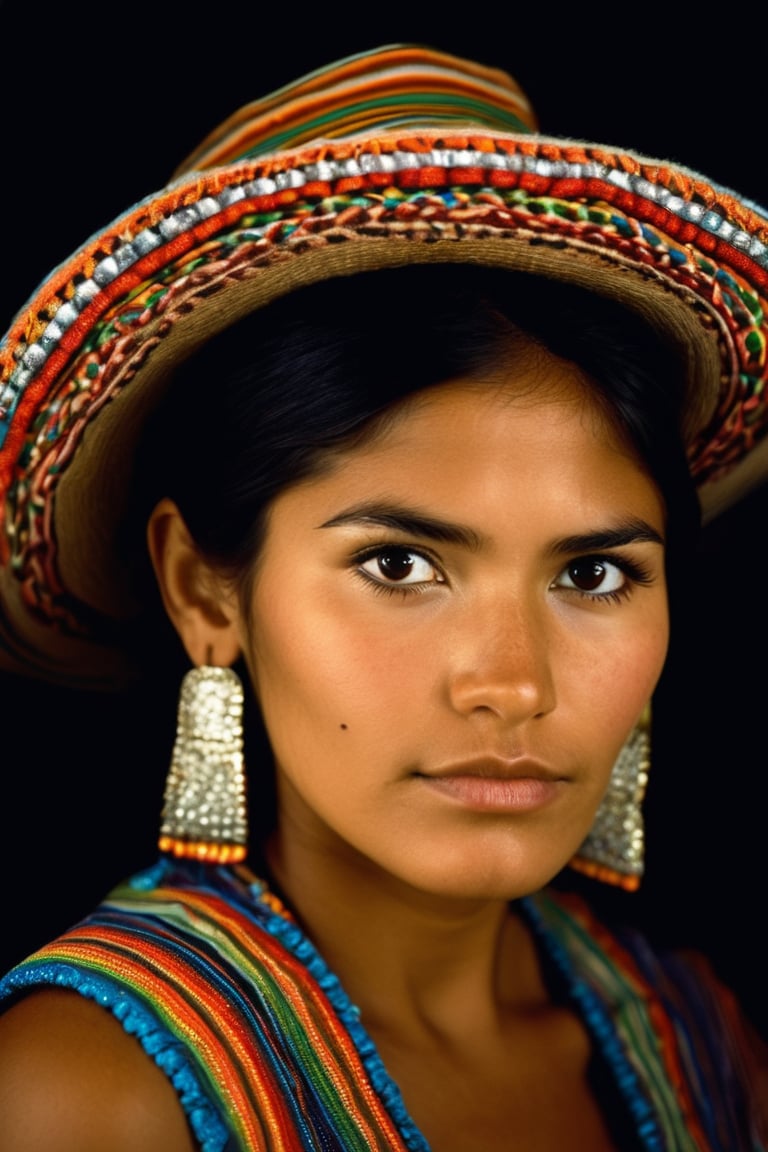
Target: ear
x: 202, y: 609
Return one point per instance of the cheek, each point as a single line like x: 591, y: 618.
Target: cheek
x: 645, y: 661
x: 326, y: 677
x: 617, y: 689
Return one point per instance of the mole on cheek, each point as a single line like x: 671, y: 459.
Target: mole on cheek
x: 343, y: 726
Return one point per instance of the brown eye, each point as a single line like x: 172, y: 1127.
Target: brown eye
x: 587, y: 575
x: 395, y: 565
x: 593, y: 576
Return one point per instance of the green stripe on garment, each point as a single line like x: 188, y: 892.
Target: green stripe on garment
x: 629, y: 1009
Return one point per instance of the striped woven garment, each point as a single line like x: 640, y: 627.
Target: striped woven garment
x: 266, y: 1051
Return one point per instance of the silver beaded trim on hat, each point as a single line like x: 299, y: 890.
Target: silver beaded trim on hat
x: 180, y: 221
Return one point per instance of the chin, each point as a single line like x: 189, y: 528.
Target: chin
x: 485, y: 878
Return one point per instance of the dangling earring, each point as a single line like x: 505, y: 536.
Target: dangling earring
x: 614, y: 850
x: 204, y: 811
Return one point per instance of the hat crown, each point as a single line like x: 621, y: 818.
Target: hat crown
x: 401, y: 85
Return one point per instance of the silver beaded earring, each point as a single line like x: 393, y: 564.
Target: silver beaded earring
x: 204, y: 811
x: 614, y: 850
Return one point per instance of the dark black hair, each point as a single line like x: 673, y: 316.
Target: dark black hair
x: 262, y: 405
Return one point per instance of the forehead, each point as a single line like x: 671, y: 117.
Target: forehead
x: 528, y: 393
x: 524, y: 374
x: 484, y: 450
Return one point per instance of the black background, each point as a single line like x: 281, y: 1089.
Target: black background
x: 96, y: 114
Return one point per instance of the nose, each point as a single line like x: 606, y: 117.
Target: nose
x: 501, y: 663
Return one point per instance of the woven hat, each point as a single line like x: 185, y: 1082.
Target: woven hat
x: 397, y: 156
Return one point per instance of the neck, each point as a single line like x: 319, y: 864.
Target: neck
x: 410, y: 960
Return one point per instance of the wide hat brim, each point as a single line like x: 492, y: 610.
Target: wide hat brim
x: 418, y: 171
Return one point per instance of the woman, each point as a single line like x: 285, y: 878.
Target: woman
x: 411, y: 418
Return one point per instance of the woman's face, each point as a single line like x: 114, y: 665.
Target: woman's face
x: 453, y: 631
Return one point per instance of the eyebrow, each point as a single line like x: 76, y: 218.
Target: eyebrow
x: 632, y: 531
x: 409, y: 521
x: 412, y: 522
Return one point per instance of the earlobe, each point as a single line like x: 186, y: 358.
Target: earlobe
x: 202, y: 610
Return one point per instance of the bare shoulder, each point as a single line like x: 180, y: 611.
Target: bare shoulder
x: 72, y: 1080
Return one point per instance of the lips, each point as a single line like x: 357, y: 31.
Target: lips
x: 497, y: 768
x: 495, y: 784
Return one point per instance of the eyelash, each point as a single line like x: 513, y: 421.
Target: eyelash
x: 635, y: 573
x: 379, y: 587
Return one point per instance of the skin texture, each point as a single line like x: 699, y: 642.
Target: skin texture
x: 71, y: 1080
x: 451, y: 632
x: 373, y: 693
